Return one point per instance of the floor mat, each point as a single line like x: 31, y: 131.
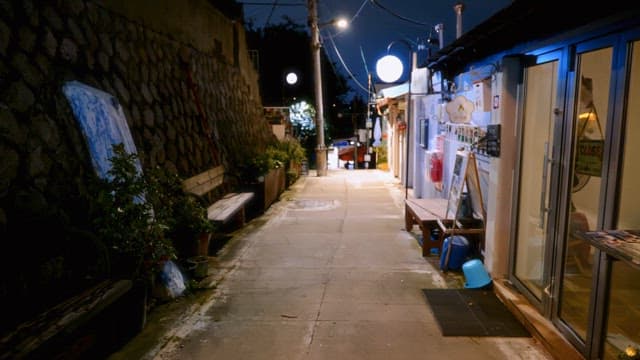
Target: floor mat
x: 472, y: 312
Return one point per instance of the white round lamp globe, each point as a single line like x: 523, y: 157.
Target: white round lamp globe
x: 292, y: 78
x: 389, y: 68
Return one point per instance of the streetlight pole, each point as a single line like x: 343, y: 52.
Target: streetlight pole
x: 321, y: 149
x: 391, y: 75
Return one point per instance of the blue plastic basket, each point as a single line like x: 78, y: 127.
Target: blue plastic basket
x: 459, y: 252
x: 475, y: 274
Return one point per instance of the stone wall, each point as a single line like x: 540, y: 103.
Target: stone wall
x: 143, y: 60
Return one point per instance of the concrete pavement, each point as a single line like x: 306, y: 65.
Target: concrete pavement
x: 328, y: 272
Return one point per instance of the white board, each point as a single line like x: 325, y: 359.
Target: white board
x: 465, y: 177
x: 102, y: 122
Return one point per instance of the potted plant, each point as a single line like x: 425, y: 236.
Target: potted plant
x: 125, y: 220
x: 186, y: 214
x: 295, y: 157
x: 191, y: 226
x: 255, y: 168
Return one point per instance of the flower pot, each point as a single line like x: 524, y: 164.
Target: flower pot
x: 199, y: 266
x: 202, y: 245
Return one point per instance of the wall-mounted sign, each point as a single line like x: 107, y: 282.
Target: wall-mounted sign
x: 460, y: 109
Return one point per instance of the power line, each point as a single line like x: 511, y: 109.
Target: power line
x: 273, y: 8
x: 353, y: 78
x: 274, y: 3
x: 376, y: 3
x: 364, y: 61
x: 335, y: 48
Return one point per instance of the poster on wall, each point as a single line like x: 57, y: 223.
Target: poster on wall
x: 589, y: 155
x: 590, y: 139
x: 102, y: 123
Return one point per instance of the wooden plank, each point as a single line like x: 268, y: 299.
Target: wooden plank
x: 204, y: 182
x: 428, y: 209
x: 447, y: 228
x: 224, y: 209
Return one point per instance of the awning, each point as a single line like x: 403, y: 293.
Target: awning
x: 346, y: 153
x: 395, y: 91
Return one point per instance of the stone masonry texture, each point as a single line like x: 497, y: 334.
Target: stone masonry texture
x: 45, y: 168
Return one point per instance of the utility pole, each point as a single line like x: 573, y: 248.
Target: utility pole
x: 321, y: 149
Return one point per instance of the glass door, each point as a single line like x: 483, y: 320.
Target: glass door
x: 577, y: 171
x: 530, y: 271
x: 622, y: 311
x: 589, y: 124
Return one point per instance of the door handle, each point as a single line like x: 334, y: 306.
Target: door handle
x: 543, y: 194
x: 547, y: 290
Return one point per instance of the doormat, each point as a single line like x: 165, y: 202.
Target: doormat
x: 472, y: 312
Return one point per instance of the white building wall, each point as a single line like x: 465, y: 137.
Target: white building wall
x: 502, y: 169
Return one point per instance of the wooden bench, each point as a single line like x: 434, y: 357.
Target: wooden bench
x: 56, y: 325
x: 430, y: 214
x: 230, y: 207
x: 425, y: 213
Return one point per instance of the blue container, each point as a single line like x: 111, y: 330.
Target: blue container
x: 459, y: 252
x: 475, y: 274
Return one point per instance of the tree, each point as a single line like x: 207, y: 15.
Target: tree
x: 285, y: 47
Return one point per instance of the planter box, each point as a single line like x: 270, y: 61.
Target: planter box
x: 274, y: 185
x: 295, y: 168
x: 266, y: 192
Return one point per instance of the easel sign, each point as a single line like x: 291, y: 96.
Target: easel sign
x: 474, y: 189
x: 465, y: 172
x: 457, y: 182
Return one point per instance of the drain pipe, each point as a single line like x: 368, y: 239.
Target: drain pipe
x: 458, y: 9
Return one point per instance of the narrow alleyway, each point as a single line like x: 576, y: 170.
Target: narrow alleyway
x: 327, y: 273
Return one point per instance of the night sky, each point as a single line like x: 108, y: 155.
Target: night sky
x: 374, y: 25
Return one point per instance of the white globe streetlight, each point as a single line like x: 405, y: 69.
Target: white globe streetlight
x: 291, y: 78
x: 389, y: 68
x: 342, y: 23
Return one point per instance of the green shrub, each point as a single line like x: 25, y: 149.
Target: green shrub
x: 185, y: 214
x: 294, y: 150
x: 125, y: 219
x: 280, y: 154
x: 278, y: 158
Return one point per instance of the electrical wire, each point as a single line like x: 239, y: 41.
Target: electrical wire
x: 376, y: 3
x: 366, y: 69
x: 331, y: 37
x: 353, y: 78
x: 279, y: 4
x: 364, y: 61
x: 273, y: 8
